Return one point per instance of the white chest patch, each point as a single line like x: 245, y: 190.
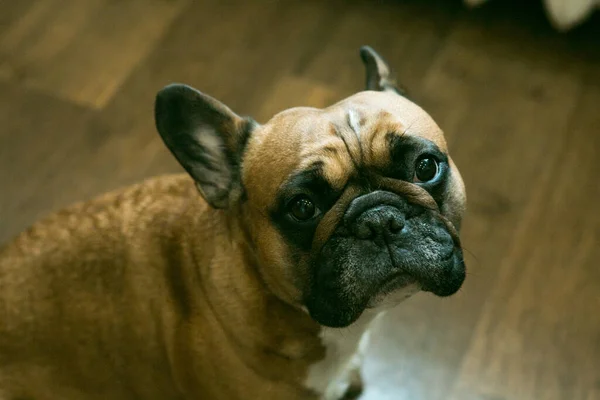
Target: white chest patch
x: 346, y: 348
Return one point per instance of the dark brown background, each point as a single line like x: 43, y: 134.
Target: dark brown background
x: 519, y: 103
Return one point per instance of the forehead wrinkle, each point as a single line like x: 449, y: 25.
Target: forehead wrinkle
x: 351, y: 141
x: 374, y: 140
x: 337, y: 172
x: 333, y: 155
x: 401, y: 110
x: 355, y: 122
x: 417, y: 122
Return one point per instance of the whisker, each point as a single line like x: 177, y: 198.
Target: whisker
x: 465, y: 250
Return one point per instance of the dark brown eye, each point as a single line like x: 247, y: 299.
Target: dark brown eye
x: 426, y: 169
x: 302, y: 208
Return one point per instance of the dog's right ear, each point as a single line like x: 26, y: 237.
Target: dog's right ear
x: 207, y: 139
x: 380, y: 77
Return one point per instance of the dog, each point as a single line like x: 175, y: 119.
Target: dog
x: 255, y: 273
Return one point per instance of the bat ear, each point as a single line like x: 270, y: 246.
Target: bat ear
x: 380, y: 77
x: 207, y: 139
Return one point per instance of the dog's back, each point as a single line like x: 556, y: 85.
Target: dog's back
x: 62, y: 288
x: 103, y: 301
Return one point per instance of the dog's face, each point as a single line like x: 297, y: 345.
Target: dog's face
x: 347, y: 207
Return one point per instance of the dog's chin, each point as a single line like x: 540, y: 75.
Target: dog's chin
x: 331, y: 316
x: 390, y: 292
x: 394, y: 292
x: 338, y: 307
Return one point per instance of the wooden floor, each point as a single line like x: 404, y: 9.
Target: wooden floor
x: 520, y: 105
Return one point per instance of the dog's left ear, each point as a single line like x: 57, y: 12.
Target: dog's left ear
x: 207, y: 139
x: 380, y: 77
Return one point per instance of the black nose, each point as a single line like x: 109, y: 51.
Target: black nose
x: 381, y: 221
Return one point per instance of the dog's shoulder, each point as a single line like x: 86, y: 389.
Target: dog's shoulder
x: 100, y: 232
x: 113, y: 213
x: 83, y: 268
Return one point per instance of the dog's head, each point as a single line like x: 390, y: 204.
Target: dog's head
x: 347, y: 207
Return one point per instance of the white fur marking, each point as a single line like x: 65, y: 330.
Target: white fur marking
x: 329, y: 377
x: 346, y: 348
x: 354, y: 122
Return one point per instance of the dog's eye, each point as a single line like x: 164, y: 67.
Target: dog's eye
x: 426, y: 168
x: 302, y: 208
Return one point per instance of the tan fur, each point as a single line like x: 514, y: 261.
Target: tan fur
x: 148, y: 293
x: 150, y: 286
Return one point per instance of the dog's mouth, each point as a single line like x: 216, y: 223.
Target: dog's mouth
x: 337, y: 301
x: 405, y: 276
x: 395, y: 282
x: 384, y: 265
x: 400, y: 283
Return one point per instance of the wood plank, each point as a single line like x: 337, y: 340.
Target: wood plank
x: 224, y: 49
x: 292, y: 91
x: 538, y: 335
x: 83, y: 50
x: 409, y: 34
x: 11, y: 11
x: 235, y: 51
x: 525, y: 23
x: 42, y: 138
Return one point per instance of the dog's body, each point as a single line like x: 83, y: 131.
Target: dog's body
x: 138, y: 320
x: 152, y: 293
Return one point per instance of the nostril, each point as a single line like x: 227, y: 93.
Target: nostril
x: 395, y: 225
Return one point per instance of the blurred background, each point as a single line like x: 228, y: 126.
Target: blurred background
x: 514, y: 84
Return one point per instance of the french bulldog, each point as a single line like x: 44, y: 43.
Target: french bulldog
x: 256, y: 273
